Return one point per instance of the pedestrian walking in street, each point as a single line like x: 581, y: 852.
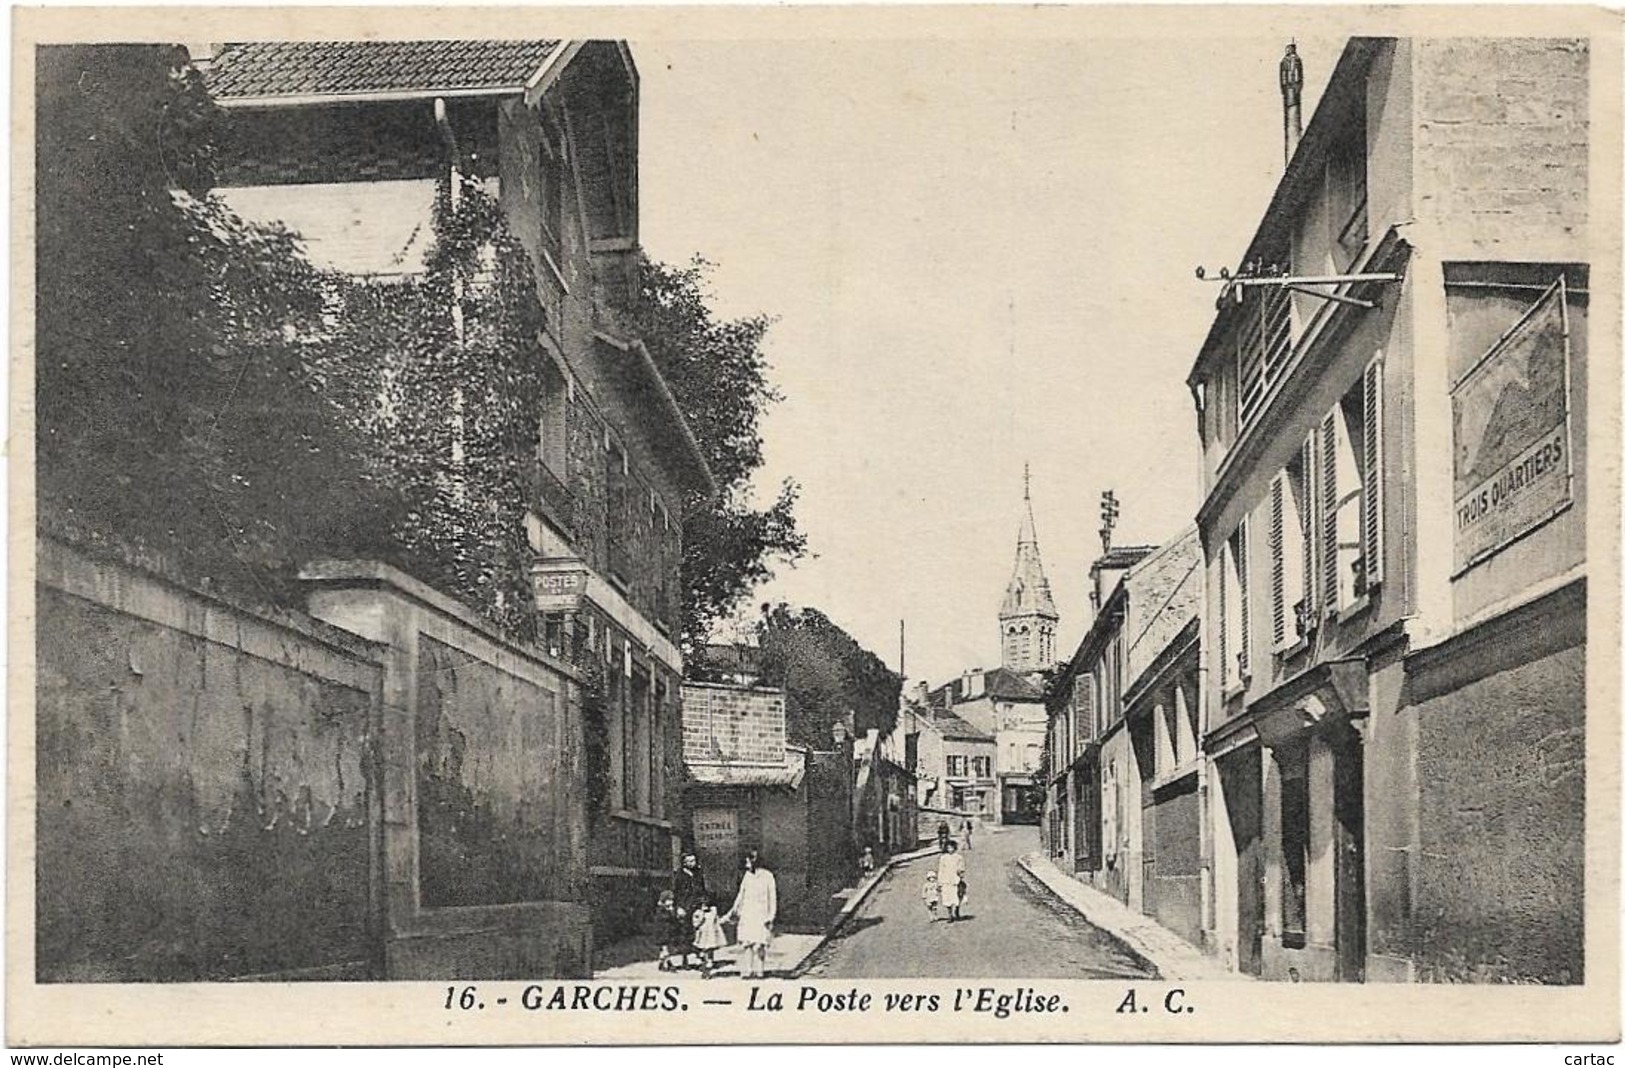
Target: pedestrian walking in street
x: 708, y: 937
x: 755, y: 908
x: 689, y: 894
x: 951, y: 880
x: 968, y: 828
x: 930, y: 894
x: 866, y: 863
x: 942, y: 836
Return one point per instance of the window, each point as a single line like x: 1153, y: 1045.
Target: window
x: 982, y: 767
x: 1263, y: 345
x: 1346, y: 198
x: 552, y: 439
x: 957, y: 796
x: 1294, y: 845
x: 551, y: 191
x: 1083, y: 701
x: 956, y: 766
x: 1233, y: 621
x: 1291, y: 505
x: 1351, y: 492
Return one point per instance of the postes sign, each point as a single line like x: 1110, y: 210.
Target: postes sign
x: 1513, y: 468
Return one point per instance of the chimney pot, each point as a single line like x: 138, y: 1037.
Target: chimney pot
x: 1292, y: 98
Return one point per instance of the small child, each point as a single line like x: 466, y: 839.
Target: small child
x: 666, y: 912
x: 866, y: 863
x: 708, y: 937
x: 930, y: 895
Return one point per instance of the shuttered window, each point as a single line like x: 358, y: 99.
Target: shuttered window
x: 1351, y: 493
x: 1291, y: 542
x: 1307, y: 456
x: 1263, y: 344
x: 1371, y: 454
x: 1278, y: 597
x: 1328, y: 510
x: 1233, y: 615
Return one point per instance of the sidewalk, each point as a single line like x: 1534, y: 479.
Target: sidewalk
x: 786, y: 954
x: 1172, y: 956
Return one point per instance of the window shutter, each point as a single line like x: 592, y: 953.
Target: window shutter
x: 1223, y: 628
x: 1328, y: 510
x: 1278, y: 557
x: 1371, y: 459
x: 1243, y: 632
x: 1306, y: 519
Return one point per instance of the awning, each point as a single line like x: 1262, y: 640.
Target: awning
x: 788, y: 776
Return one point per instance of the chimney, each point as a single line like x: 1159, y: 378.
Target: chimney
x: 1292, y: 98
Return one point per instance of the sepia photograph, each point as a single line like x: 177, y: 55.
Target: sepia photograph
x: 793, y: 528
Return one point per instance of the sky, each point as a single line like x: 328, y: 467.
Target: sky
x: 979, y: 254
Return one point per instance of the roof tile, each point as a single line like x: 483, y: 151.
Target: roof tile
x: 342, y: 68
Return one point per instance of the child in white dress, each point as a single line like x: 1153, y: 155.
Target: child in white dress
x: 708, y: 937
x: 930, y: 894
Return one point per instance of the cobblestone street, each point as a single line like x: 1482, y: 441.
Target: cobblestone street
x: 1013, y: 927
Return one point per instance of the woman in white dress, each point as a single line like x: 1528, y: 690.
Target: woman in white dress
x: 756, y: 906
x: 950, y: 880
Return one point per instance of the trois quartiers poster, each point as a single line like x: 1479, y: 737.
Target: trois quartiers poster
x: 555, y: 526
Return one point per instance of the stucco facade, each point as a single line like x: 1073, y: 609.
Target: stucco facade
x: 1390, y: 493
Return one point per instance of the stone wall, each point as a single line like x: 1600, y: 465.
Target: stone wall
x: 206, y: 781
x: 387, y: 790
x: 1503, y: 139
x: 1501, y: 774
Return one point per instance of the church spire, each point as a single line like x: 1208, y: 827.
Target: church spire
x: 1028, y: 617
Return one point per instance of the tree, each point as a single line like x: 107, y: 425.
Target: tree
x: 178, y: 405
x: 717, y: 372
x: 825, y: 674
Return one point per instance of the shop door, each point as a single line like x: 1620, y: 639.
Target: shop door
x: 1348, y: 812
x: 1242, y: 778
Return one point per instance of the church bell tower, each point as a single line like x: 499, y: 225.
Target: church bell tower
x: 1028, y: 619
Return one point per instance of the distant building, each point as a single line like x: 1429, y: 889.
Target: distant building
x: 1009, y: 707
x: 1394, y: 529
x: 955, y: 763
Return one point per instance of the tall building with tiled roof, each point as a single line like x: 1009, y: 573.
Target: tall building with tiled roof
x: 1028, y: 618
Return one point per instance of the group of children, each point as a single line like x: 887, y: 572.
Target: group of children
x: 706, y: 936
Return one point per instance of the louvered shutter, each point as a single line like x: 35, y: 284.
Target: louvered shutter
x: 1371, y: 461
x: 1278, y: 603
x: 1306, y: 520
x: 1243, y: 633
x: 1223, y: 635
x: 1328, y: 510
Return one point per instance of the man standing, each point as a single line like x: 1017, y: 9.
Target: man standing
x: 688, y: 895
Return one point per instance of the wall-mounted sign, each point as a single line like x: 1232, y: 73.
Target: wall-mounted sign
x: 716, y: 843
x: 1513, y: 467
x: 559, y: 590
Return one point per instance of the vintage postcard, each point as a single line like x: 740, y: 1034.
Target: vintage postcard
x: 544, y: 526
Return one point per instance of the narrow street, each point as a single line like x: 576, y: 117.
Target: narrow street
x: 1012, y: 926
